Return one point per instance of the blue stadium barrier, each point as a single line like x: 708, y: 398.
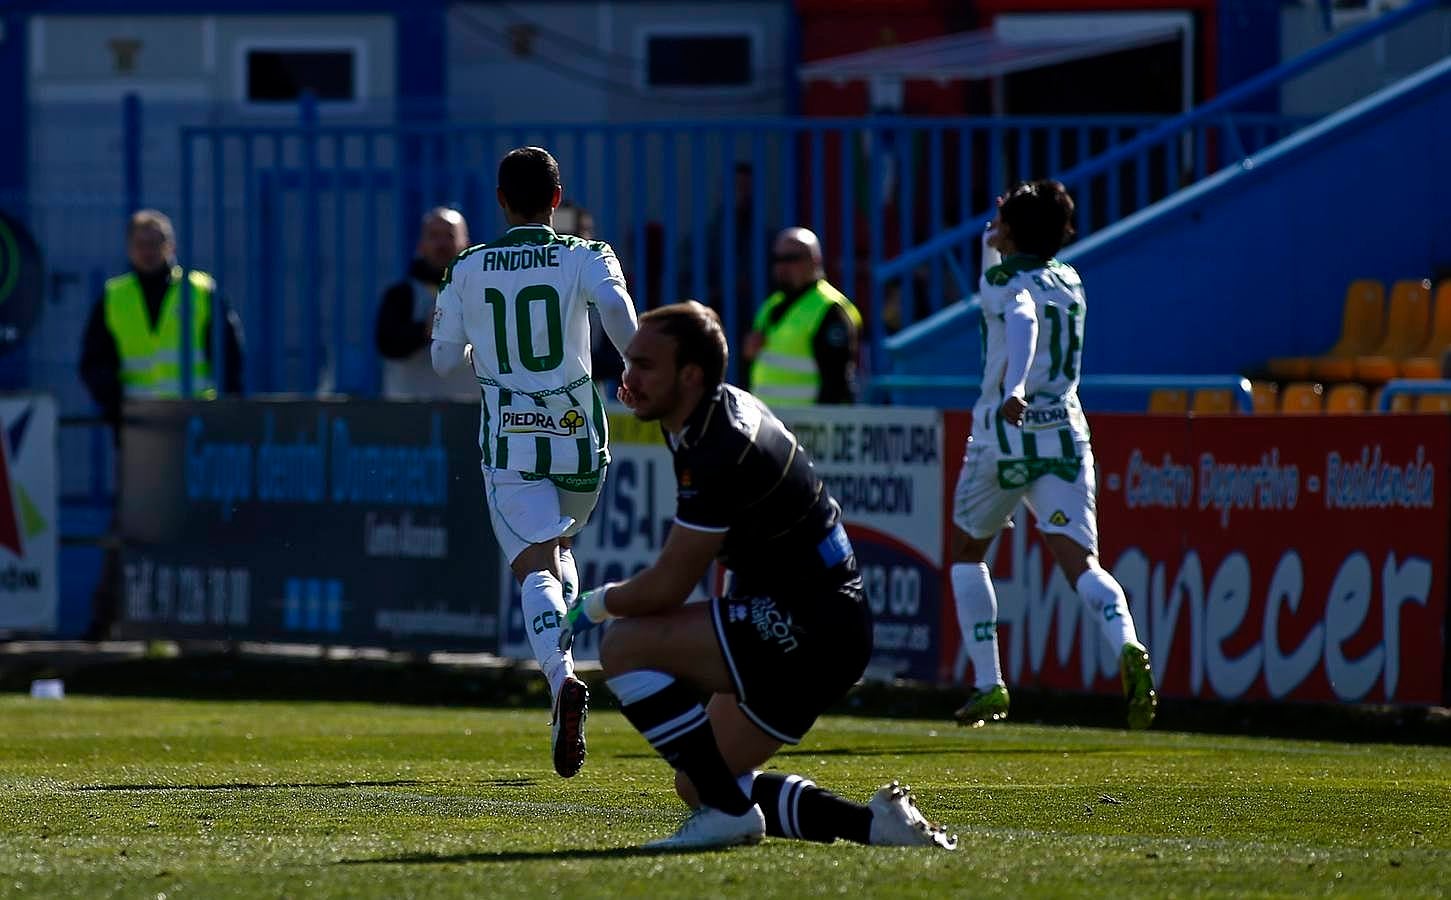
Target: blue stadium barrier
x: 958, y: 390
x: 1410, y: 388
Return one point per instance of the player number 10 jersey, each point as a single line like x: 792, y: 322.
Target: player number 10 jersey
x: 523, y: 302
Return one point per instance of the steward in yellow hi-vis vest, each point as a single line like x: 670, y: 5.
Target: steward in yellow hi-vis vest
x: 149, y: 348
x: 803, y: 345
x: 133, y: 341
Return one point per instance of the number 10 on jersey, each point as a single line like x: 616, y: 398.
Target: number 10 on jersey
x: 523, y: 333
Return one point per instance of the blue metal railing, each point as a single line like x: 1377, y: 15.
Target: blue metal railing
x: 868, y: 186
x: 1410, y: 388
x: 1239, y: 387
x: 1179, y: 152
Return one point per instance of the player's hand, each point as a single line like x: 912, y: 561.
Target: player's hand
x: 623, y: 394
x: 587, y: 613
x: 1012, y: 411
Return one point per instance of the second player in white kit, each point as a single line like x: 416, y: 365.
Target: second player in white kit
x: 517, y: 309
x: 1030, y: 444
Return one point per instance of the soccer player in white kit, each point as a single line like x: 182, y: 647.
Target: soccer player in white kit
x: 1030, y: 442
x: 517, y: 310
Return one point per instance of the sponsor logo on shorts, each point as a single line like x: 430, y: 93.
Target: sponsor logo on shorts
x: 1058, y: 518
x: 541, y: 422
x: 738, y: 613
x: 771, y: 625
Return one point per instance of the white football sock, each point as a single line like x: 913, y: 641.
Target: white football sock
x: 1106, y: 602
x: 569, y: 574
x: 543, y: 602
x: 977, y: 616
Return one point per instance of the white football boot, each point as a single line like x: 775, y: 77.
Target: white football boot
x: 897, y: 822
x: 710, y: 827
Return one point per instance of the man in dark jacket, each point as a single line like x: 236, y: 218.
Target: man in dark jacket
x: 405, y: 317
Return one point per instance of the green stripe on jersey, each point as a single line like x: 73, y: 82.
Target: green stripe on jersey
x: 506, y: 398
x: 484, y: 435
x: 1003, y: 444
x: 581, y: 445
x: 1065, y: 439
x: 543, y: 453
x: 1030, y: 444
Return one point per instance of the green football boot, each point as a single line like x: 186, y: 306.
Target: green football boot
x: 982, y: 707
x: 1138, y: 682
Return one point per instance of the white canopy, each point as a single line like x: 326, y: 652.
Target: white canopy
x: 986, y: 53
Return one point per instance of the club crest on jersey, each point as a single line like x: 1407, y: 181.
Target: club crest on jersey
x: 541, y: 422
x: 1058, y: 518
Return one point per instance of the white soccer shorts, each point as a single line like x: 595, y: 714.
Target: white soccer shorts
x: 526, y: 511
x: 982, y: 507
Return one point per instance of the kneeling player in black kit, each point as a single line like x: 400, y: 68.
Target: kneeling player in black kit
x: 788, y: 640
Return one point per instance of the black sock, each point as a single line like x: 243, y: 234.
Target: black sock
x: 797, y: 808
x: 676, y: 725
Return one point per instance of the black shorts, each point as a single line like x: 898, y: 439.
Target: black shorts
x: 789, y: 668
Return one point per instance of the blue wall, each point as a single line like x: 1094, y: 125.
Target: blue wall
x: 1253, y: 262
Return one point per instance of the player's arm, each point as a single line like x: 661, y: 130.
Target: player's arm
x: 990, y: 254
x: 666, y: 584
x: 608, y: 294
x: 1020, y: 320
x: 450, y: 342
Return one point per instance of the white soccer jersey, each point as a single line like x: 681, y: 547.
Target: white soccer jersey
x: 1053, y: 293
x: 523, y: 302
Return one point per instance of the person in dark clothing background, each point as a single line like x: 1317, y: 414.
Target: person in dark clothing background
x: 132, y: 350
x: 132, y: 339
x: 802, y: 349
x: 404, y: 327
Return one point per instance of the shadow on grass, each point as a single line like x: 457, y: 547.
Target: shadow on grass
x: 245, y: 786
x: 511, y: 856
x: 944, y: 750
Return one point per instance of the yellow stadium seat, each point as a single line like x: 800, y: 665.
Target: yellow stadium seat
x: 1427, y: 361
x: 1433, y: 403
x: 1362, y: 325
x: 1302, y: 398
x: 1406, y: 325
x: 1212, y: 400
x: 1164, y: 400
x: 1347, y: 398
x: 1266, y: 396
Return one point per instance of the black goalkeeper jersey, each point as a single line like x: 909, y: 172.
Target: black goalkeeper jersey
x: 738, y: 470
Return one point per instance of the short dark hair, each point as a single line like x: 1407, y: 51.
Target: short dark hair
x: 529, y: 176
x: 1040, y: 216
x: 699, y: 338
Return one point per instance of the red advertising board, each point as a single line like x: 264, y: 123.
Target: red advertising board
x: 1263, y: 558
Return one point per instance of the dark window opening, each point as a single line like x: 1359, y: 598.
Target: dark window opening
x: 275, y: 76
x: 696, y: 61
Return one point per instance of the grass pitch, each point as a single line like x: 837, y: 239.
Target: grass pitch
x: 139, y: 798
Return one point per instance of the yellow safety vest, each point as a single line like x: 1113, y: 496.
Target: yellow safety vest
x: 784, y: 373
x: 151, y: 359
